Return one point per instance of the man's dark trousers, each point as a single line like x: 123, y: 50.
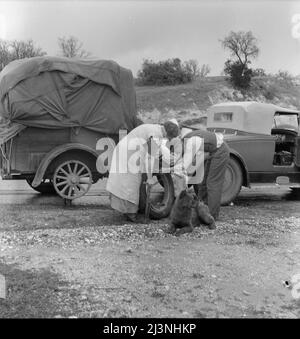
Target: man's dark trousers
x: 210, y: 190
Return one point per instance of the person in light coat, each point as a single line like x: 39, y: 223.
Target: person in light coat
x: 130, y: 159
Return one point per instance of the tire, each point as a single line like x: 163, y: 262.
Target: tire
x: 232, y: 182
x: 72, y: 178
x: 294, y: 194
x: 163, y: 208
x: 45, y: 187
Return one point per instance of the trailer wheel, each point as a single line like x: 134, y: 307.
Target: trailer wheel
x: 45, y: 187
x: 72, y: 179
x: 161, y: 196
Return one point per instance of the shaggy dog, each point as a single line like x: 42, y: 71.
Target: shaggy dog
x: 187, y: 213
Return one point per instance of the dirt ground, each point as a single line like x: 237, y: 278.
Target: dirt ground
x: 85, y: 261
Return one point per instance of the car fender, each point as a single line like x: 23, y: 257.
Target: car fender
x: 239, y: 158
x: 55, y: 152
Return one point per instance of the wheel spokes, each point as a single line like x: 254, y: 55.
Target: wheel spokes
x: 65, y: 182
x: 64, y: 189
x: 65, y: 172
x: 75, y: 168
x: 81, y: 170
x: 86, y: 175
x: 84, y: 180
x: 72, y: 179
x: 61, y: 177
x: 69, y: 168
x: 70, y: 192
x: 76, y: 189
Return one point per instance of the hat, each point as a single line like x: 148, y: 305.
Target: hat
x: 174, y: 121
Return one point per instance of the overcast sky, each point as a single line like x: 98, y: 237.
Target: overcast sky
x: 129, y: 31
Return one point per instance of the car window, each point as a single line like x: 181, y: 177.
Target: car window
x: 286, y: 120
x: 223, y: 117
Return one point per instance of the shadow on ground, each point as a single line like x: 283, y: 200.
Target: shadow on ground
x: 35, y: 294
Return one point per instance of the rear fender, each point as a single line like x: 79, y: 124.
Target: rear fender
x: 55, y: 152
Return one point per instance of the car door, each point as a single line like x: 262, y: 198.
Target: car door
x: 257, y: 151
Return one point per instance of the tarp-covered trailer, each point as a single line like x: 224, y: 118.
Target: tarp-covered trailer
x: 52, y: 113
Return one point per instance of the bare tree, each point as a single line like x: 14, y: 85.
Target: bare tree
x: 242, y: 45
x: 17, y: 49
x: 71, y: 47
x: 24, y: 49
x: 4, y: 53
x: 204, y: 70
x: 192, y: 67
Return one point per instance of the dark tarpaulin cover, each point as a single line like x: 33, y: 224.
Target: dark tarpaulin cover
x: 54, y: 92
x: 9, y: 130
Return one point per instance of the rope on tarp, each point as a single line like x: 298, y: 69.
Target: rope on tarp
x: 4, y: 155
x: 3, y: 152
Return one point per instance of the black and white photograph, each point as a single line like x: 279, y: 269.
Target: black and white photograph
x: 149, y: 162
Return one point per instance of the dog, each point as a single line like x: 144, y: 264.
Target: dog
x: 188, y: 212
x: 182, y: 212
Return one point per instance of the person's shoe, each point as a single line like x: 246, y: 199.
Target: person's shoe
x: 131, y: 217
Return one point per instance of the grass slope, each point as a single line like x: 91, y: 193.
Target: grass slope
x: 190, y: 101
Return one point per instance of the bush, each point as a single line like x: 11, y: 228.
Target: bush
x: 240, y: 74
x: 168, y: 72
x: 268, y: 94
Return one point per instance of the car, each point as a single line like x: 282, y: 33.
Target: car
x: 264, y: 144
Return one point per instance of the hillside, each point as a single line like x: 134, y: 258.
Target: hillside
x: 190, y: 101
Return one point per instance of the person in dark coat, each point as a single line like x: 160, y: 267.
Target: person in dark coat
x: 210, y: 190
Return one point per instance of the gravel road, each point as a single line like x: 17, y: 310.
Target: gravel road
x: 85, y: 261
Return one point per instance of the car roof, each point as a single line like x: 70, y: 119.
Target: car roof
x: 249, y: 116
